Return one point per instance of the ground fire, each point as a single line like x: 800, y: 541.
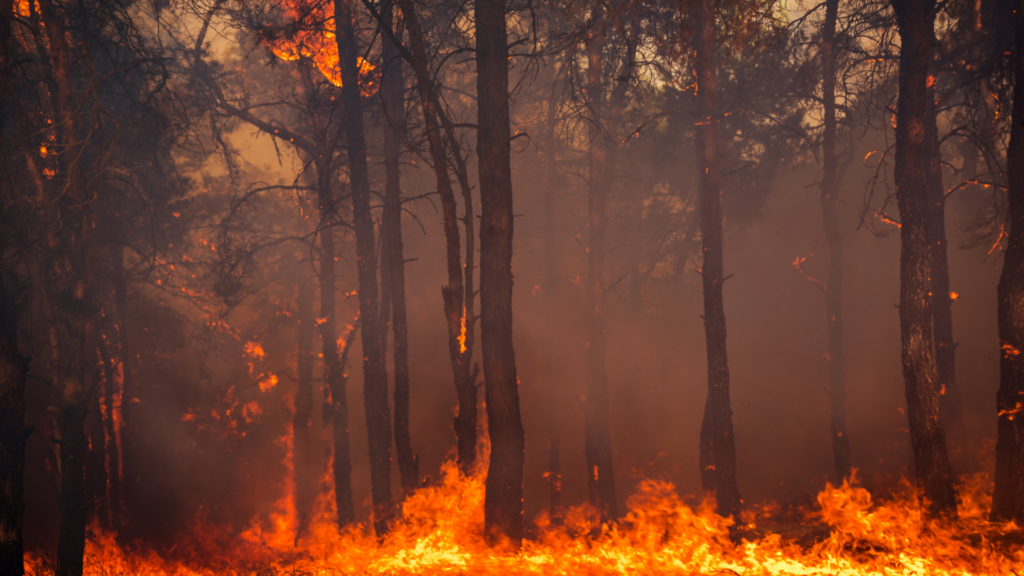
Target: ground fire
x: 312, y: 287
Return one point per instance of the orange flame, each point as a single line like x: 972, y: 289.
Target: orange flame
x: 317, y: 42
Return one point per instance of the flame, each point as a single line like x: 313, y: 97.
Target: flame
x: 317, y: 42
x: 441, y: 531
x: 462, y: 333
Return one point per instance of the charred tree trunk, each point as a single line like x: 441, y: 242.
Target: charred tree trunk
x: 110, y: 432
x: 129, y: 392
x: 335, y: 379
x: 834, y: 239
x: 302, y: 420
x: 458, y: 295
x: 69, y: 295
x: 717, y: 444
x: 96, y: 473
x: 951, y: 406
x: 13, y: 369
x: 931, y: 461
x: 392, y: 90
x: 601, y: 156
x: 375, y: 378
x: 1008, y: 497
x: 553, y: 398
x: 503, y: 500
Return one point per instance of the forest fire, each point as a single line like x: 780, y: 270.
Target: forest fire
x: 404, y: 287
x: 441, y: 526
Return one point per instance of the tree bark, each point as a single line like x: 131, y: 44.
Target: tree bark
x: 13, y: 369
x: 302, y: 420
x: 110, y: 432
x: 503, y: 500
x: 457, y: 296
x: 833, y: 237
x: 392, y: 91
x: 602, y: 154
x: 951, y: 406
x: 375, y: 378
x: 717, y: 444
x: 1008, y: 497
x: 129, y: 390
x: 335, y: 379
x: 931, y: 461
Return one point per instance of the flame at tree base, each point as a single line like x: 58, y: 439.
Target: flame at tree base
x: 441, y: 529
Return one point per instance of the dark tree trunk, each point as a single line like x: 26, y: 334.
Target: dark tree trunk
x: 950, y: 400
x: 927, y: 436
x: 13, y: 368
x: 73, y: 507
x: 335, y: 379
x: 96, y: 473
x: 375, y: 378
x: 70, y: 299
x: 129, y: 391
x: 601, y: 156
x: 1008, y: 497
x: 458, y: 295
x: 110, y: 432
x: 553, y: 397
x: 717, y: 444
x: 302, y: 420
x: 392, y: 91
x: 503, y: 501
x: 834, y: 288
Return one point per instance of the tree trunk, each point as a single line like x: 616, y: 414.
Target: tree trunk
x: 717, y: 444
x: 335, y: 379
x: 601, y: 155
x: 129, y: 391
x: 70, y: 299
x: 834, y: 288
x: 375, y: 378
x: 552, y: 397
x: 305, y: 459
x: 458, y: 295
x: 951, y: 406
x: 110, y: 432
x: 13, y: 369
x: 96, y: 472
x: 503, y: 500
x: 392, y: 91
x: 1008, y: 497
x: 931, y: 461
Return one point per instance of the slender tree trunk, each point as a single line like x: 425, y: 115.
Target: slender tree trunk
x: 96, y: 473
x: 129, y: 391
x: 13, y: 368
x: 950, y: 400
x: 553, y: 397
x: 335, y: 379
x: 302, y: 420
x: 601, y: 155
x: 458, y: 294
x: 833, y: 237
x: 503, y: 500
x: 717, y: 444
x: 375, y: 378
x: 1008, y: 497
x: 392, y: 91
x: 110, y: 433
x: 927, y: 436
